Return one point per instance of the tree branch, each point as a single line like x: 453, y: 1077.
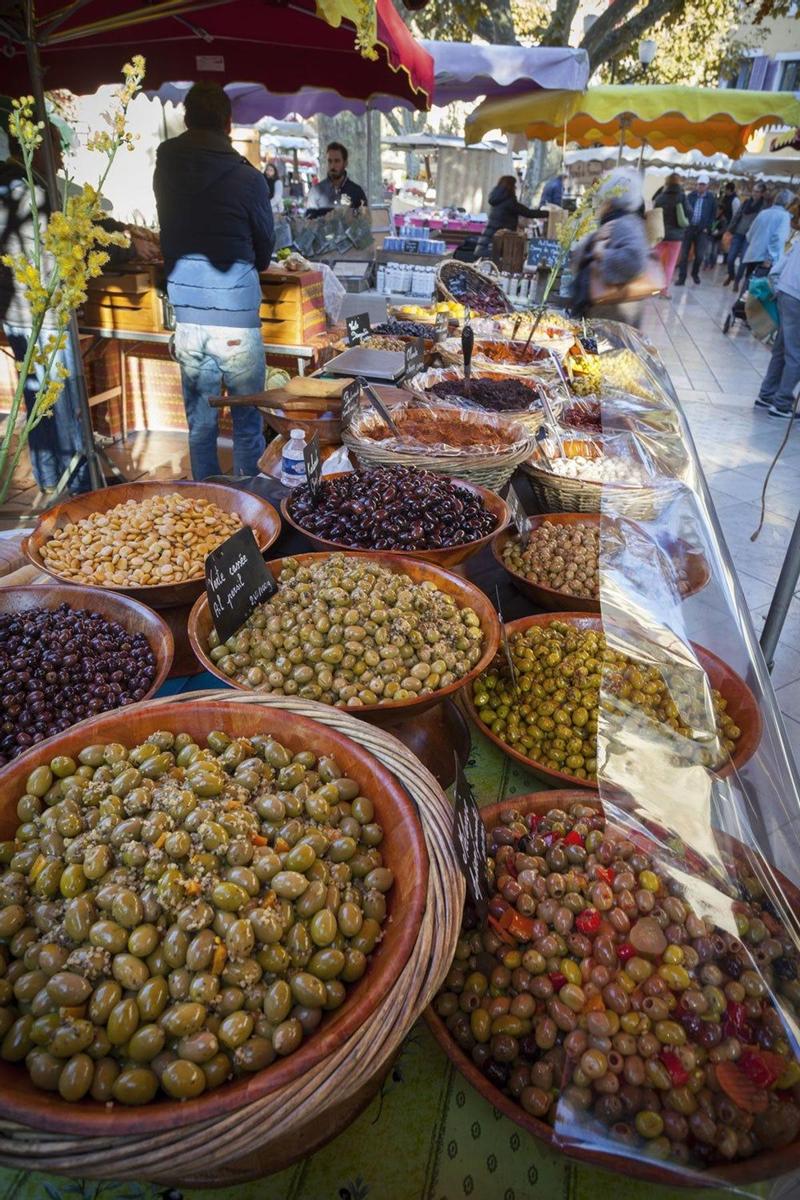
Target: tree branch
x: 558, y: 31
x: 497, y: 25
x: 609, y: 20
x: 628, y: 34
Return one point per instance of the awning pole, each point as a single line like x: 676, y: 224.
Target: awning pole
x: 368, y: 113
x: 96, y: 477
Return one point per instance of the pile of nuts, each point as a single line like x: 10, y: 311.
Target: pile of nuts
x: 562, y: 557
x: 594, y: 980
x: 174, y: 915
x: 349, y: 632
x: 551, y: 716
x: 392, y: 508
x: 603, y: 469
x: 141, y: 543
x: 62, y: 665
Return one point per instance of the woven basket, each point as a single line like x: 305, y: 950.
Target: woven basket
x: 449, y: 268
x: 556, y: 493
x: 531, y: 419
x: 286, y: 1125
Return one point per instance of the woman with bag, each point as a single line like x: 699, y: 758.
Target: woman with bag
x: 672, y: 202
x: 613, y: 267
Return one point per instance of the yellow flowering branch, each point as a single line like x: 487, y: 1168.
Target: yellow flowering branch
x: 67, y: 253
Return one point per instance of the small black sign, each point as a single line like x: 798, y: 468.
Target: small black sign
x: 411, y: 246
x: 442, y: 327
x: 313, y: 463
x: 358, y: 327
x: 470, y: 840
x: 504, y: 639
x: 237, y: 581
x: 350, y: 402
x: 518, y: 515
x: 415, y: 356
x: 467, y: 344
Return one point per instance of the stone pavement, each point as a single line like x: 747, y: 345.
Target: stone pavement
x: 717, y: 379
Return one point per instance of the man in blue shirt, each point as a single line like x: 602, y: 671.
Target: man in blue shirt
x: 216, y: 235
x: 700, y: 208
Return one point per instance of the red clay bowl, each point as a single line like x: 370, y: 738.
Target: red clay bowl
x: 465, y: 593
x: 447, y: 556
x: 742, y: 704
x: 403, y: 849
x: 252, y: 510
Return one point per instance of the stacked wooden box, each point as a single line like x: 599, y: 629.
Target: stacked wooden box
x: 293, y: 310
x: 127, y: 302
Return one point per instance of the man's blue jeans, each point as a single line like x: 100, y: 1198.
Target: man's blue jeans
x: 736, y: 250
x: 57, y: 437
x: 212, y: 357
x: 783, y: 372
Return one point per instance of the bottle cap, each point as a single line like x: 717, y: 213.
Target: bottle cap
x: 298, y: 433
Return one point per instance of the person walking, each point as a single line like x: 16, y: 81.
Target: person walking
x: 769, y: 233
x: 216, y: 235
x: 672, y: 202
x: 504, y: 213
x: 553, y: 190
x: 727, y: 206
x: 701, y: 211
x: 783, y: 373
x: 738, y: 229
x: 618, y: 249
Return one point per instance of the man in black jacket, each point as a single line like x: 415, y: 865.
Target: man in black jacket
x: 337, y: 187
x: 700, y: 209
x: 216, y: 235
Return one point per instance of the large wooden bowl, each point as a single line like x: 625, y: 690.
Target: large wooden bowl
x: 328, y: 428
x: 403, y: 848
x: 448, y: 556
x: 694, y: 565
x: 465, y: 593
x: 253, y: 511
x: 752, y: 1170
x: 742, y: 704
x: 130, y: 614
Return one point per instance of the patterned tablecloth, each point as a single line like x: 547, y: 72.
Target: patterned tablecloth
x: 428, y: 1135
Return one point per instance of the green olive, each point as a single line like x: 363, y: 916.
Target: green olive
x: 130, y: 971
x: 106, y: 1071
x: 70, y: 1037
x: 76, y: 1078
x: 229, y: 897
x: 307, y: 990
x: 68, y: 989
x: 146, y: 1043
x: 183, y: 1079
x: 254, y: 1054
x: 105, y: 997
x: 44, y: 1069
x: 184, y: 1019
x: 199, y: 1047
x: 289, y: 884
x: 135, y: 1085
x: 235, y: 1029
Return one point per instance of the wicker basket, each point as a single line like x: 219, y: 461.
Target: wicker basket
x: 449, y: 268
x: 289, y: 1122
x: 531, y: 419
x: 556, y: 493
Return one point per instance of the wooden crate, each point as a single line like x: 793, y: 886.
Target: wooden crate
x: 292, y: 311
x: 126, y: 301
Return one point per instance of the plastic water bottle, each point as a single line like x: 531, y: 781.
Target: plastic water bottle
x: 293, y: 466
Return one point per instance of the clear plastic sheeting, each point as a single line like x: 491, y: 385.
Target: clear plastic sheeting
x: 436, y: 429
x: 694, y: 769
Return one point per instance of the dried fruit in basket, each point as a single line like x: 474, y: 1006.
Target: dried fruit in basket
x: 584, y: 372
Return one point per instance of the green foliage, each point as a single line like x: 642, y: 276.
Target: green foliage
x: 694, y: 47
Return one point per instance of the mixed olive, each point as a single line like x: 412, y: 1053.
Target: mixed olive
x: 347, y: 631
x: 592, y: 990
x: 551, y: 714
x: 174, y: 915
x: 562, y: 557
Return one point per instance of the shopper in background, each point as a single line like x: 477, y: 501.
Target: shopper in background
x: 274, y: 186
x: 504, y: 213
x: 672, y: 201
x: 728, y: 205
x: 553, y: 190
x: 216, y: 235
x: 618, y: 250
x: 769, y: 233
x: 336, y: 187
x: 783, y: 372
x: 739, y: 228
x: 700, y: 209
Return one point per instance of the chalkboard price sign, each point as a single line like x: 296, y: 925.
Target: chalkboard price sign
x: 350, y: 401
x: 415, y: 356
x: 358, y: 327
x: 442, y: 327
x: 237, y: 581
x: 470, y: 840
x: 313, y: 463
x: 518, y: 516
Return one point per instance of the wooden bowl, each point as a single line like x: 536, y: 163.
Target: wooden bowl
x: 752, y: 1170
x: 328, y: 428
x: 694, y: 565
x: 253, y: 511
x: 403, y: 848
x: 447, y: 556
x: 114, y: 606
x: 742, y: 704
x: 465, y: 593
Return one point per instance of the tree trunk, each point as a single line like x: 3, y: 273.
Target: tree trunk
x: 498, y: 28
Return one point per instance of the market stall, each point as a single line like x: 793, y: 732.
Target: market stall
x: 624, y: 986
